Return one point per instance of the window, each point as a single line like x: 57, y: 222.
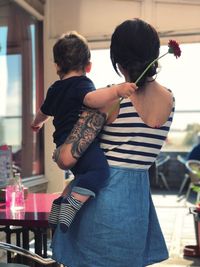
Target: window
x: 181, y: 76
x: 21, y: 84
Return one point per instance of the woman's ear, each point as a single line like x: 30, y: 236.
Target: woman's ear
x: 88, y: 67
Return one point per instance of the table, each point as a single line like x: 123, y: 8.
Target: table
x: 34, y: 217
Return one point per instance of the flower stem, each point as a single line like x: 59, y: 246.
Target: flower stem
x: 149, y: 67
x: 140, y: 77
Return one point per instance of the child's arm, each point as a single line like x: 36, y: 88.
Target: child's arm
x: 89, y: 123
x: 39, y: 120
x: 102, y: 97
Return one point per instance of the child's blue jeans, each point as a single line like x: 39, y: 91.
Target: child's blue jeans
x: 90, y: 171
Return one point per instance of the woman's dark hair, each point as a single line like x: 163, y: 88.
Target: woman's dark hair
x: 135, y: 44
x: 71, y: 52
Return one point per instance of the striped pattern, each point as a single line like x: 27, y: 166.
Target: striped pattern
x: 76, y: 204
x: 68, y: 209
x: 54, y: 213
x: 67, y: 214
x: 129, y: 142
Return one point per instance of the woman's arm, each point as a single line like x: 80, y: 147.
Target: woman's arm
x: 104, y: 96
x: 39, y: 120
x: 90, y: 123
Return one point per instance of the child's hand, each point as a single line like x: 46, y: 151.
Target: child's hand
x: 36, y: 128
x: 126, y: 89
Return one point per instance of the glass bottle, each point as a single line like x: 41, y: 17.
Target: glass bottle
x: 15, y: 193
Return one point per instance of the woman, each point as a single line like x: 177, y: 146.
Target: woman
x: 120, y: 227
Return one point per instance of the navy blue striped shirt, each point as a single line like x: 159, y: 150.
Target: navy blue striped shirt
x: 129, y: 142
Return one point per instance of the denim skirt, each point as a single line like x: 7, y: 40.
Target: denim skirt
x: 117, y: 228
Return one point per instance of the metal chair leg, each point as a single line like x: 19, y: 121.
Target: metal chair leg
x: 183, y: 184
x: 164, y: 180
x: 188, y: 191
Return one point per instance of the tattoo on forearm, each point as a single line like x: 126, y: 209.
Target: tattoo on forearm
x: 85, y: 130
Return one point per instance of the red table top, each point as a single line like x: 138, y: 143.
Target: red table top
x: 35, y: 213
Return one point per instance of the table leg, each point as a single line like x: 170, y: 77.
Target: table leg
x: 25, y: 238
x: 9, y: 231
x: 44, y: 243
x: 40, y: 236
x: 8, y: 240
x: 18, y: 243
x: 25, y: 243
x: 38, y: 241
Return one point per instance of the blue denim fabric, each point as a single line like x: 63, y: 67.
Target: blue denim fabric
x: 117, y: 228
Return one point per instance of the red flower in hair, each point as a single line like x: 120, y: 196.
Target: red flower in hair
x: 174, y: 48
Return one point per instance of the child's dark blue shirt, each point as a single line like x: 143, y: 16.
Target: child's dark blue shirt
x: 64, y: 102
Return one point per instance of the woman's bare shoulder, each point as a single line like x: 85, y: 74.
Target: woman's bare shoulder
x: 154, y: 104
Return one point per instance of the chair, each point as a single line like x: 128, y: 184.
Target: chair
x: 23, y: 252
x: 160, y: 161
x: 193, y: 167
x: 183, y: 161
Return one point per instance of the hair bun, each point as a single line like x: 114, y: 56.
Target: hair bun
x: 136, y: 68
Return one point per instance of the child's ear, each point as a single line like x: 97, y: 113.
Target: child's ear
x: 88, y: 67
x: 57, y: 67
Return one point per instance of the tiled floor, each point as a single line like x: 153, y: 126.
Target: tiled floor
x: 178, y: 227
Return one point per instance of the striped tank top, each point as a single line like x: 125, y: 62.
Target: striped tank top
x: 129, y: 142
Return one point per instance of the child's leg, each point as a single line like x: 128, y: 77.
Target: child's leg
x: 66, y: 156
x: 69, y: 207
x: 54, y: 213
x: 92, y: 170
x: 55, y: 208
x: 90, y: 173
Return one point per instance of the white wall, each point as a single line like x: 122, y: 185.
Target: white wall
x: 96, y: 20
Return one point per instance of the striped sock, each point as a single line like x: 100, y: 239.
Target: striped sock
x: 69, y: 207
x: 54, y: 213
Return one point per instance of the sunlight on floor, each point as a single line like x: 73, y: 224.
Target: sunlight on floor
x: 178, y: 227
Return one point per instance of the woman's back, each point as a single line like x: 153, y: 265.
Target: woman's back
x: 136, y: 136
x: 119, y: 227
